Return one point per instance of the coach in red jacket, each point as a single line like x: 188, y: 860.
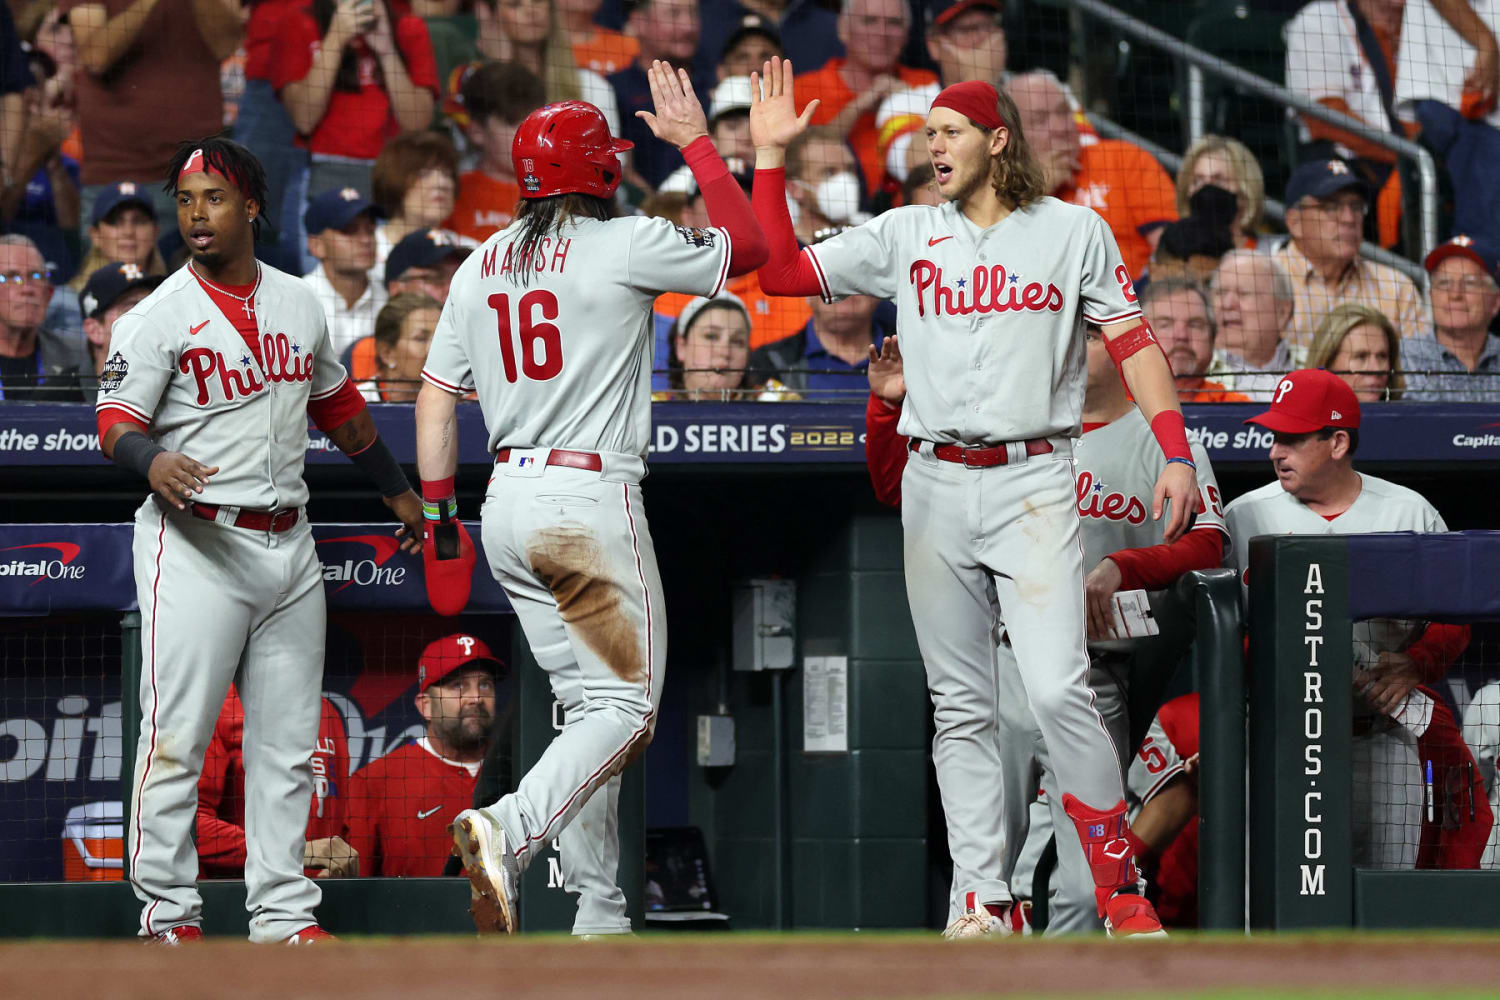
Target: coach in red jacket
x: 399, y: 806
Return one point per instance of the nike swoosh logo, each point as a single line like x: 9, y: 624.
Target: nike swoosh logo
x: 424, y: 815
x: 933, y: 241
x: 193, y: 330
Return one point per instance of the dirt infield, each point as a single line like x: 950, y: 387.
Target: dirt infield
x: 750, y: 966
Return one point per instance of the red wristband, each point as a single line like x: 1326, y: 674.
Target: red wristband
x: 437, y: 489
x: 1171, y: 434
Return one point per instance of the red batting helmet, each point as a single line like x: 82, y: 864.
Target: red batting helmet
x: 566, y: 148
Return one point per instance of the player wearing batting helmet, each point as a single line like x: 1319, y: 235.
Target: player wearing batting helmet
x: 565, y: 389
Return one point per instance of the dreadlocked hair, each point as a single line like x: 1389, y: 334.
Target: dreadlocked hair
x: 227, y: 157
x: 541, y: 217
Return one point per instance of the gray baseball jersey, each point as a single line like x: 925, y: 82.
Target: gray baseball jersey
x: 1380, y: 506
x: 991, y: 320
x: 1156, y: 763
x: 1386, y: 810
x: 565, y: 360
x: 179, y: 366
x: 220, y: 602
x: 1118, y: 465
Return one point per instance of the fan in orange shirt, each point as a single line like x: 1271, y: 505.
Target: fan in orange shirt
x: 1117, y: 179
x: 594, y: 47
x: 497, y: 97
x: 850, y: 89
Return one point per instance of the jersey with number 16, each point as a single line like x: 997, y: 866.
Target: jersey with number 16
x: 564, y: 360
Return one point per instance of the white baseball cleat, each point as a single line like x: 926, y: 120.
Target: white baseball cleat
x: 479, y: 842
x: 977, y: 922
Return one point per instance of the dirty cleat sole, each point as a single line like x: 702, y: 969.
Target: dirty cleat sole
x: 480, y: 845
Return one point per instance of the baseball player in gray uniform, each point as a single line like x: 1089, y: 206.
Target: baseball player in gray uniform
x: 992, y: 290
x: 1118, y: 462
x: 565, y: 388
x: 1315, y: 418
x: 207, y: 395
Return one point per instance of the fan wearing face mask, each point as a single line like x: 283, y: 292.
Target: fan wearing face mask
x: 823, y: 183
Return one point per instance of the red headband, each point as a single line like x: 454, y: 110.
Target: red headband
x: 197, y: 161
x: 976, y: 100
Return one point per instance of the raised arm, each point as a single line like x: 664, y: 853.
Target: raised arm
x: 306, y: 100
x: 679, y: 119
x: 101, y: 39
x: 774, y: 123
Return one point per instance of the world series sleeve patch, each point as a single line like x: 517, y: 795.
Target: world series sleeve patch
x: 696, y: 237
x: 114, y: 373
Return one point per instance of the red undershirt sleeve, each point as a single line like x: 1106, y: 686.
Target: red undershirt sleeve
x: 728, y: 208
x: 1156, y: 567
x: 336, y: 409
x: 787, y: 270
x: 885, y: 450
x: 108, y: 416
x: 1437, y: 648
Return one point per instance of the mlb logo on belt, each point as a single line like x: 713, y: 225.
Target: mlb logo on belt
x: 525, y: 461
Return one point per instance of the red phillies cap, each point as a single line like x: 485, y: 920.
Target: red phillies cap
x: 1310, y: 400
x: 451, y: 653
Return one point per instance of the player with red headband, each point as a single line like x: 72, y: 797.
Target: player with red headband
x: 992, y: 290
x: 207, y: 395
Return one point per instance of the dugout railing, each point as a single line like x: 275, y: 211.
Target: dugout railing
x: 1198, y: 64
x: 1306, y: 594
x: 70, y: 665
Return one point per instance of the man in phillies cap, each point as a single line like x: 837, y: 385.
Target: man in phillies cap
x: 1314, y: 419
x: 399, y: 806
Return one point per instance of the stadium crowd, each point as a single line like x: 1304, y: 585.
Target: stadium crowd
x: 385, y: 129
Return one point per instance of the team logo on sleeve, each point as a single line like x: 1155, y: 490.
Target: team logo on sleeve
x: 114, y: 373
x: 695, y: 237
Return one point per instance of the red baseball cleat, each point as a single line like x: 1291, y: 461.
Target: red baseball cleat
x: 1127, y: 914
x: 310, y: 935
x: 173, y: 936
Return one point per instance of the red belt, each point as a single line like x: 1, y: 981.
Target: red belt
x: 982, y: 458
x: 275, y: 521
x: 571, y: 459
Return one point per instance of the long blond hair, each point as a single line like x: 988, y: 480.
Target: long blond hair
x: 1246, y: 170
x: 1015, y: 174
x: 1335, y: 329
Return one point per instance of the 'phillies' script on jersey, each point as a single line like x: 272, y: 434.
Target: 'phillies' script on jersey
x: 991, y: 290
x: 284, y: 362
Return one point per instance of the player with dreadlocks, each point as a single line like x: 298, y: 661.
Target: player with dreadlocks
x: 228, y: 358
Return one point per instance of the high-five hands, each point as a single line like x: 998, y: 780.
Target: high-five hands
x: 679, y: 117
x: 774, y: 121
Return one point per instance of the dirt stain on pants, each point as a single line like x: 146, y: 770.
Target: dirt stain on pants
x: 568, y: 562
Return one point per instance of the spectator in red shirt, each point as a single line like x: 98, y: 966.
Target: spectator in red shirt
x: 852, y: 87
x: 352, y: 76
x: 220, y: 831
x: 400, y: 805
